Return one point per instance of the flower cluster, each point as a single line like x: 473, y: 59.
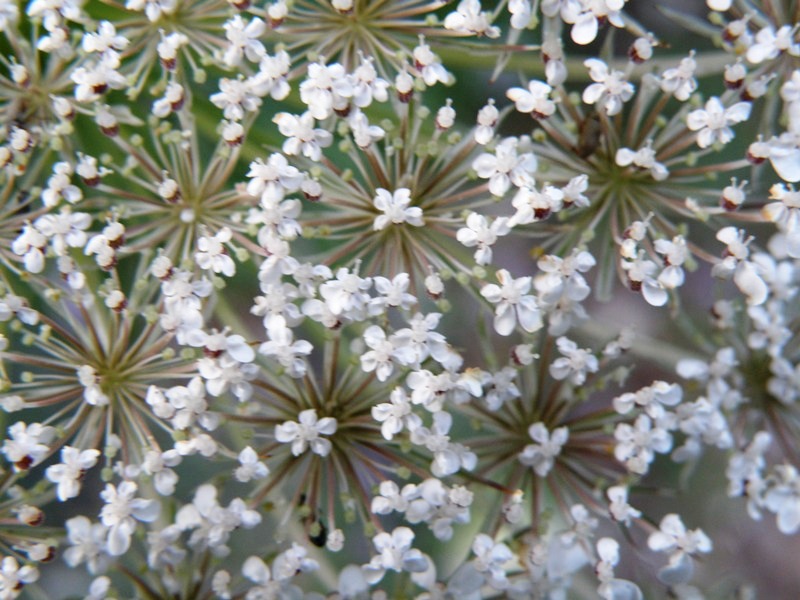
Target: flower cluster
x: 291, y: 308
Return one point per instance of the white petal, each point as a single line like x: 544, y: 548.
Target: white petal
x: 256, y: 571
x: 655, y: 295
x: 239, y: 349
x: 786, y: 163
x: 504, y: 319
x: 585, y: 29
x: 529, y: 316
x: 119, y: 540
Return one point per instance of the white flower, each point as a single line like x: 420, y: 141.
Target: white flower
x: 396, y: 209
x: 429, y: 66
x: 482, y: 235
x: 448, y: 457
x: 470, y: 19
x: 271, y: 76
x: 610, y: 90
x: 620, y: 510
x: 644, y: 158
x: 514, y: 304
x: 60, y: 187
x: 585, y: 16
x: 306, y: 433
x: 99, y: 589
x: 746, y: 274
x: 638, y: 443
x: 534, y: 205
x: 611, y: 588
x: 384, y: 352
x: 302, y: 137
x: 393, y: 293
x: 326, y: 88
x: 394, y: 553
x: 490, y: 558
x: 674, y: 538
x: 283, y: 347
x: 217, y: 342
x: 243, y: 40
x: 68, y: 474
x: 347, y: 293
x: 292, y: 562
x: 64, y: 230
x: 487, y: 119
x: 541, y: 455
x: 27, y: 445
x: 212, y: 255
x: 396, y: 414
x: 680, y: 81
x: 87, y: 543
x: 675, y: 253
x: 257, y: 571
x: 251, y: 467
x: 770, y: 43
x: 575, y: 363
x: 364, y: 134
x: 785, y: 213
x: 506, y: 167
x: 173, y: 99
x: 184, y: 405
x: 156, y: 464
x: 120, y: 512
x: 652, y: 399
x: 782, y: 497
x: 391, y: 499
x: 31, y: 245
x: 367, y: 86
x: 535, y: 100
x: 13, y: 577
x: 713, y: 122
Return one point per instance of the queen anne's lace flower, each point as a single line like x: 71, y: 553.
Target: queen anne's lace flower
x: 73, y: 467
x: 305, y: 433
x: 394, y: 554
x: 542, y: 454
x: 674, y: 538
x: 396, y: 210
x: 514, y: 304
x: 713, y: 122
x: 610, y: 90
x: 120, y: 513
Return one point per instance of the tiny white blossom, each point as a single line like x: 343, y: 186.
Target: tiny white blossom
x: 610, y: 90
x: 713, y: 121
x: 394, y: 553
x: 306, y: 432
x: 68, y: 473
x: 120, y: 512
x: 542, y: 454
x: 514, y: 304
x: 251, y: 467
x: 674, y: 538
x: 395, y: 208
